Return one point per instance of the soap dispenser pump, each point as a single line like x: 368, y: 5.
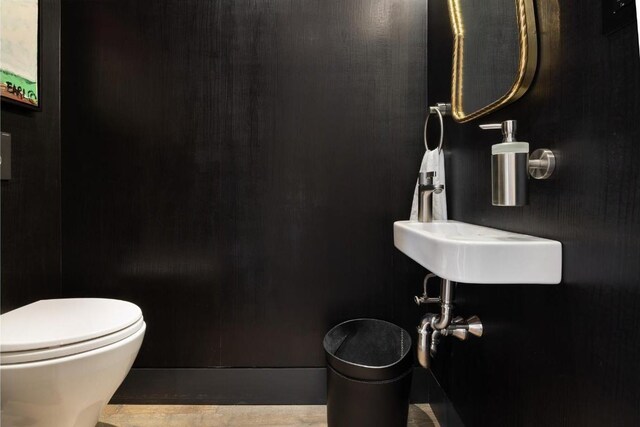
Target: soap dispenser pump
x: 511, y: 166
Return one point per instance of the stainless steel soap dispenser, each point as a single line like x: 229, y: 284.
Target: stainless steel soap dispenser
x: 511, y: 166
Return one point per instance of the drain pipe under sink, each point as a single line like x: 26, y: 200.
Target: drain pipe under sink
x: 433, y: 326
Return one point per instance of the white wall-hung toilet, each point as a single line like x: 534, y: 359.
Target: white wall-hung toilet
x: 61, y: 360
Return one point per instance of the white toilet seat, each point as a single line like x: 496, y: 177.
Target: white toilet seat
x: 13, y: 357
x: 50, y: 329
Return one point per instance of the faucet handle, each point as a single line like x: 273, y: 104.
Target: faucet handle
x: 426, y: 178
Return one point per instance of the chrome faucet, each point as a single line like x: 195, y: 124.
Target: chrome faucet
x: 426, y: 189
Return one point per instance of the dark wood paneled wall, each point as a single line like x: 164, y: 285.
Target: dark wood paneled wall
x: 235, y: 167
x: 563, y: 355
x: 30, y: 247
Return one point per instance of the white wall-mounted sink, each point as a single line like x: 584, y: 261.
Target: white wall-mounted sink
x: 470, y: 253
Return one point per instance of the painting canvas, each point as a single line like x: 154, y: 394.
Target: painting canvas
x: 19, y: 52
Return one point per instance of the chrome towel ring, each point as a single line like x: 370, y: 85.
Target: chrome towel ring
x: 440, y: 109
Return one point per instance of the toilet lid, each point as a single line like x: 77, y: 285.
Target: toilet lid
x: 60, y: 322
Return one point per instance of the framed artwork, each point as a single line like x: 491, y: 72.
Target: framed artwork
x: 19, y: 64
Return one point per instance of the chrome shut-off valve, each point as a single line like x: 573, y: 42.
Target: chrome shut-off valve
x: 425, y: 298
x: 461, y: 328
x: 434, y: 326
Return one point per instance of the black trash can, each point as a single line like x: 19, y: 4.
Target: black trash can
x: 368, y: 374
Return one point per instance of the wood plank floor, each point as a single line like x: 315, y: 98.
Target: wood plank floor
x: 240, y: 416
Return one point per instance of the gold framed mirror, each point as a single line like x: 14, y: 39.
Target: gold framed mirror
x: 495, y: 54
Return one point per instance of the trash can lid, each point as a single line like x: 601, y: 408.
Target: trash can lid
x: 368, y: 349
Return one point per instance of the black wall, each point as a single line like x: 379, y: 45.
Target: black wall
x: 30, y: 244
x: 567, y: 354
x: 235, y: 167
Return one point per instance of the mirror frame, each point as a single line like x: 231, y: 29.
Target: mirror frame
x: 528, y: 60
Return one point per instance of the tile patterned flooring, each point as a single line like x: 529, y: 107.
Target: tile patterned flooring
x: 236, y: 416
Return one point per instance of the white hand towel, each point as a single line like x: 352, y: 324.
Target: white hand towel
x: 432, y: 161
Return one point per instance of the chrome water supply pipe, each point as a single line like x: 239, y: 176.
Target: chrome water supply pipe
x: 446, y: 304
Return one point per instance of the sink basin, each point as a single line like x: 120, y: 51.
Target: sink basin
x: 470, y: 253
